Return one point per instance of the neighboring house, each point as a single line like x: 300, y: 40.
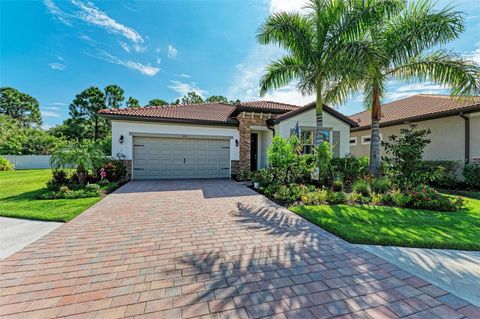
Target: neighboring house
x: 214, y: 139
x: 455, y: 126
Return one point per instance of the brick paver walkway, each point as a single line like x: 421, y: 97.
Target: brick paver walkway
x: 181, y: 249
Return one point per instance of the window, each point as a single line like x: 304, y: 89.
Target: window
x: 366, y: 139
x: 307, y: 139
x: 353, y: 141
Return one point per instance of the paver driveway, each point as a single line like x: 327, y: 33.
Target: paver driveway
x: 207, y: 248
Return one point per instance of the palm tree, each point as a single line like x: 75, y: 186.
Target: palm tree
x: 316, y: 42
x: 400, y: 48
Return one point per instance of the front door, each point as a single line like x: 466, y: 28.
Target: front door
x: 253, y: 151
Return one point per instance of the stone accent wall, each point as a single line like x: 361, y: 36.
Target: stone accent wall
x: 128, y: 165
x: 235, y: 167
x: 246, y: 120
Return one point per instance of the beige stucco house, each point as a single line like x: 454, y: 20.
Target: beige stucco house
x: 214, y: 140
x: 455, y: 126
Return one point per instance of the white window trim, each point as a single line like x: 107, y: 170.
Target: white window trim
x: 369, y: 136
x: 355, y: 139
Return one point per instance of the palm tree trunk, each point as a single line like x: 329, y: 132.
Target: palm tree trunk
x: 319, y: 117
x: 375, y: 156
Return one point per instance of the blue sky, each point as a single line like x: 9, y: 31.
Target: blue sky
x: 54, y: 49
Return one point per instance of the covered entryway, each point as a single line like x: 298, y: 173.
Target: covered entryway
x: 180, y: 157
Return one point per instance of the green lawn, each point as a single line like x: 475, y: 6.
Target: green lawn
x: 18, y: 191
x: 399, y: 227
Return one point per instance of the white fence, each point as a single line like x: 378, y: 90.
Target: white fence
x: 29, y: 161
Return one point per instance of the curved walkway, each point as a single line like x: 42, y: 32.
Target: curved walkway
x: 212, y: 249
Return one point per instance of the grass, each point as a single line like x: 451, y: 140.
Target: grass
x: 380, y: 225
x: 18, y: 191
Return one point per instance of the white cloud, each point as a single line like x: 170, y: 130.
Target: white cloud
x: 58, y: 13
x: 57, y: 66
x: 289, y: 95
x: 286, y: 5
x: 183, y: 88
x: 414, y: 89
x: 172, y: 52
x: 50, y: 114
x: 46, y: 126
x: 58, y: 103
x: 136, y: 47
x: 183, y: 75
x: 159, y: 61
x: 93, y: 15
x: 142, y: 68
x: 53, y: 108
x: 475, y: 56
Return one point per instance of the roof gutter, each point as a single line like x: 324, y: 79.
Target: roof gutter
x: 165, y: 120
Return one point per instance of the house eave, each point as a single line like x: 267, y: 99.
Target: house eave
x: 166, y: 120
x: 466, y: 110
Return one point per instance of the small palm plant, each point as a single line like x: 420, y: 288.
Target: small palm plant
x: 85, y: 157
x: 400, y: 48
x: 317, y: 45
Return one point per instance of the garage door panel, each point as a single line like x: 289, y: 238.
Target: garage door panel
x: 162, y: 158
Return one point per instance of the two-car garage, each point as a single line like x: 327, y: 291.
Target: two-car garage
x: 173, y: 157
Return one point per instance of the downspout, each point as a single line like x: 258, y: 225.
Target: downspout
x: 271, y: 128
x: 467, y: 137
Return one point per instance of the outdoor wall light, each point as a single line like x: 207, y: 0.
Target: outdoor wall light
x: 236, y: 143
x: 121, y: 139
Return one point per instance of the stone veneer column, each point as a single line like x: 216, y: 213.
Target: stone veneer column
x: 245, y: 120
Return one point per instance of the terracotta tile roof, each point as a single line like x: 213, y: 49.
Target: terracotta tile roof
x: 417, y: 107
x: 207, y: 112
x: 268, y: 106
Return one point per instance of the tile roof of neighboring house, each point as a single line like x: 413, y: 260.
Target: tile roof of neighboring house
x: 204, y: 112
x: 268, y: 106
x: 310, y: 106
x: 418, y: 107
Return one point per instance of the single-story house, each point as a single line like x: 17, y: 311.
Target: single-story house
x: 455, y: 126
x: 213, y: 140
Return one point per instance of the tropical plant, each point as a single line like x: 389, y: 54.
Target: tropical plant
x: 361, y: 187
x: 380, y: 185
x: 85, y: 157
x: 406, y: 167
x: 5, y: 164
x: 323, y: 157
x: 317, y: 45
x: 280, y: 152
x: 399, y: 48
x: 20, y: 106
x: 349, y: 168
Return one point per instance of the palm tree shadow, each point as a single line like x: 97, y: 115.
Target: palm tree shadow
x: 279, y: 275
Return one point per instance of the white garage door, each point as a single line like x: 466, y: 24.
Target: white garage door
x: 170, y: 158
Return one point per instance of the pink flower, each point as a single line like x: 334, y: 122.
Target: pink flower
x: 103, y: 174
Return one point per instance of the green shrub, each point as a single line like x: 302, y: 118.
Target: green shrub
x: 471, y: 172
x: 425, y: 197
x: 5, y: 164
x: 444, y: 173
x: 289, y: 193
x: 377, y: 199
x: 337, y: 186
x: 406, y: 167
x: 318, y: 197
x: 359, y: 198
x: 380, y: 185
x: 59, y: 179
x: 68, y: 194
x: 280, y: 152
x: 323, y: 157
x: 243, y: 175
x: 362, y: 187
x: 92, y: 187
x: 350, y: 168
x: 337, y: 198
x: 386, y: 199
x: 401, y: 200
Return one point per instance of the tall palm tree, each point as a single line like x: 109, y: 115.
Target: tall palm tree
x: 316, y: 42
x: 401, y: 48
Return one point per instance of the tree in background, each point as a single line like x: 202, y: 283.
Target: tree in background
x: 216, y: 99
x: 133, y: 102
x: 318, y: 45
x: 191, y: 98
x: 85, y: 107
x: 20, y: 106
x: 157, y: 102
x: 400, y: 48
x: 113, y: 96
x: 18, y: 139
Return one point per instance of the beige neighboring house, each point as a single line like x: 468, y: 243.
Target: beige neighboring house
x: 455, y: 126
